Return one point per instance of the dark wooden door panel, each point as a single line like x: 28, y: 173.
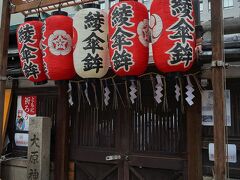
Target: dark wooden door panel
x: 157, y: 162
x: 91, y: 155
x: 96, y: 171
x: 139, y: 173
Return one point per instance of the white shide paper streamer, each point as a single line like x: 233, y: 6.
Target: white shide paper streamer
x: 177, y: 92
x: 189, y: 92
x: 70, y: 100
x: 86, y: 94
x: 133, y: 91
x: 159, y: 87
x: 106, y: 95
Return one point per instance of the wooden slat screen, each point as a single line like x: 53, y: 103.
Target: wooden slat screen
x: 96, y: 128
x: 155, y: 131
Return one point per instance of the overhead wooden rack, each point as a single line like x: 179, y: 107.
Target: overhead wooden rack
x: 28, y: 7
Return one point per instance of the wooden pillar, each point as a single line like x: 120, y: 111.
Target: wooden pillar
x: 218, y: 89
x: 4, y: 39
x: 62, y: 133
x: 194, y: 139
x: 196, y: 5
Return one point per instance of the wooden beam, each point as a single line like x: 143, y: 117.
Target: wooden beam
x: 218, y: 80
x: 43, y: 6
x: 61, y: 163
x: 33, y: 2
x: 194, y: 139
x: 4, y: 39
x: 231, y: 25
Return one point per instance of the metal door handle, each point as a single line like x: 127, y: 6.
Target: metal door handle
x: 113, y: 157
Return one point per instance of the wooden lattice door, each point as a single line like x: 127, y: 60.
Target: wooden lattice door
x: 128, y: 144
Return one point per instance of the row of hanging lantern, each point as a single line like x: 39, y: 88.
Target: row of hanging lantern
x: 61, y: 46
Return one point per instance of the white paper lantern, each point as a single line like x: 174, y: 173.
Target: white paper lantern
x: 91, y: 56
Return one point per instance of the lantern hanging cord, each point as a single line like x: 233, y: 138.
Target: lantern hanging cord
x: 10, y: 78
x: 59, y: 6
x: 38, y: 9
x: 141, y: 76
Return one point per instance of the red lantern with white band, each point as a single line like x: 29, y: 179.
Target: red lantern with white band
x: 128, y: 38
x: 173, y: 35
x: 29, y: 37
x: 57, y: 46
x: 91, y: 56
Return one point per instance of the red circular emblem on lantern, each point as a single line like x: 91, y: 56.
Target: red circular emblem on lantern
x: 173, y: 35
x: 129, y: 38
x: 29, y: 36
x: 57, y: 46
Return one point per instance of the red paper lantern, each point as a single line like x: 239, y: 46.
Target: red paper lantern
x: 29, y: 36
x: 173, y: 34
x: 129, y: 38
x: 57, y: 46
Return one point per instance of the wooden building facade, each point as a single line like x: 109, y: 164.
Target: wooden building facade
x: 122, y: 141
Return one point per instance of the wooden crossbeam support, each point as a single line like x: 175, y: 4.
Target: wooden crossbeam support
x: 36, y: 6
x: 4, y: 38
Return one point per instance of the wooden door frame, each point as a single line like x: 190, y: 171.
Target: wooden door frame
x: 4, y: 40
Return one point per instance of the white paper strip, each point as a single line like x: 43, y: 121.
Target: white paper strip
x: 106, y: 95
x: 231, y: 153
x: 207, y: 108
x: 177, y: 92
x: 21, y: 139
x: 132, y: 92
x: 70, y: 100
x: 86, y: 94
x: 189, y: 92
x: 159, y: 87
